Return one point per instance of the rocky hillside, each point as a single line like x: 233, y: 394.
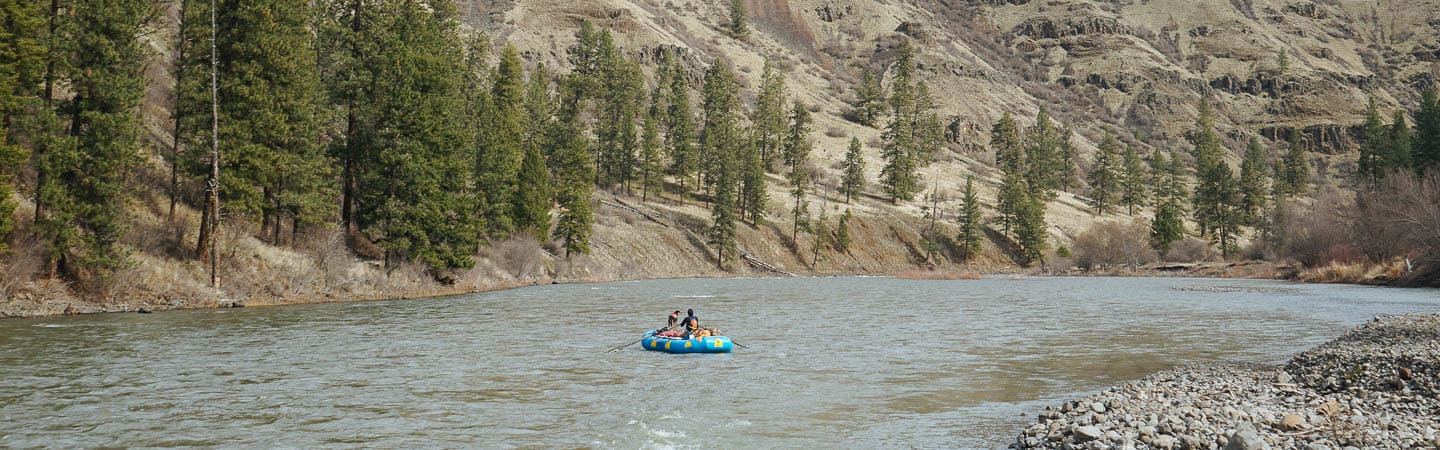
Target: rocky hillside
x: 1138, y: 68
x: 1135, y: 67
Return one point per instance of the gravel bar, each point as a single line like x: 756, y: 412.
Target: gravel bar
x: 1374, y: 387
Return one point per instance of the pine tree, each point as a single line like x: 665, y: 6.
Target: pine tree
x: 573, y: 170
x: 908, y: 139
x: 1005, y: 141
x: 1133, y: 188
x: 1043, y: 163
x: 842, y: 232
x: 1105, y: 174
x: 797, y: 155
x: 1376, y: 148
x: 346, y: 39
x: 414, y: 139
x: 616, y: 130
x: 650, y: 163
x: 755, y: 198
x: 1168, y: 226
x: 1400, y: 144
x: 1252, y: 184
x: 739, y: 24
x: 1030, y: 229
x: 85, y: 191
x: 1207, y: 196
x: 1013, y: 193
x: 852, y: 183
x: 680, y: 126
x: 724, y: 142
x: 971, y: 230
x: 532, y: 197
x: 587, y: 57
x: 869, y: 99
x: 770, y: 116
x: 540, y: 110
x: 1426, y: 150
x: 22, y: 62
x: 1069, y: 162
x: 271, y: 166
x: 501, y: 146
x: 1297, y: 164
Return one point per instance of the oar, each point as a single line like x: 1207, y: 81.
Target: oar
x: 635, y: 341
x: 626, y: 345
x: 737, y: 344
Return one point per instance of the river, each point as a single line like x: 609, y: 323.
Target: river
x: 848, y: 362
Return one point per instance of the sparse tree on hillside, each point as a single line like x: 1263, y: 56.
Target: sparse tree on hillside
x: 680, y: 125
x: 869, y: 99
x: 739, y: 23
x: 1069, y: 162
x: 1167, y: 227
x: 754, y: 199
x: 1400, y: 144
x: 1376, y: 148
x: 1013, y: 192
x: 650, y: 163
x: 1215, y: 195
x: 770, y: 121
x: 1043, y: 162
x: 1297, y: 164
x: 1208, y: 158
x: 1105, y: 174
x: 619, y: 141
x: 913, y: 135
x: 1030, y: 229
x: 797, y: 155
x: 971, y: 231
x: 853, y: 181
x: 1426, y: 150
x: 1252, y: 184
x: 842, y: 232
x: 723, y: 140
x: 1133, y: 188
x: 1009, y: 148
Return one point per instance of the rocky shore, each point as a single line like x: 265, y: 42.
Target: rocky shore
x: 1377, y: 386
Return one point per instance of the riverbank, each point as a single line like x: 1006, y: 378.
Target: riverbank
x: 1375, y: 386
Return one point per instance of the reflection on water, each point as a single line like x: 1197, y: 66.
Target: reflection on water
x: 858, y: 362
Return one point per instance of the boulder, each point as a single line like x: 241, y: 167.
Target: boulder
x: 1088, y: 433
x: 1246, y: 439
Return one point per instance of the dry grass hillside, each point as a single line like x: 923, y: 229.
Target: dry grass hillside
x: 1135, y: 67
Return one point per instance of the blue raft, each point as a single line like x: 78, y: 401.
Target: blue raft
x: 709, y: 344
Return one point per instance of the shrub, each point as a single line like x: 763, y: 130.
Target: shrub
x: 1114, y: 243
x: 1191, y: 249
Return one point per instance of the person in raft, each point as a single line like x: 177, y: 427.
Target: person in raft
x: 692, y: 326
x: 672, y: 326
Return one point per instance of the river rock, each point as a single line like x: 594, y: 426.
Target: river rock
x: 1098, y: 407
x: 1088, y: 433
x: 1246, y: 439
x: 1291, y: 422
